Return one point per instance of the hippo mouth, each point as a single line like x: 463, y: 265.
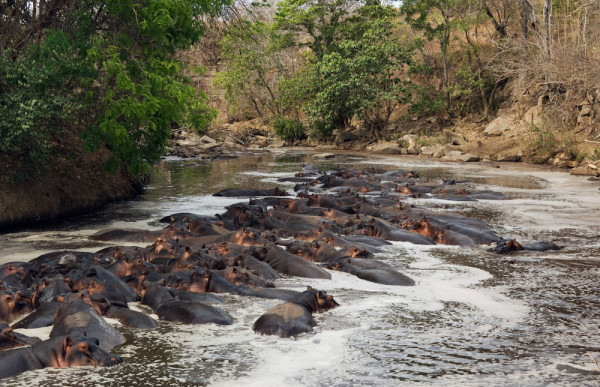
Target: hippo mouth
x: 111, y: 361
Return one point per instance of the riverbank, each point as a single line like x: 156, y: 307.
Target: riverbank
x: 71, y: 183
x: 510, y: 137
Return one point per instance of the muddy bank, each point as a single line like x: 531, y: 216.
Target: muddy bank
x: 60, y: 193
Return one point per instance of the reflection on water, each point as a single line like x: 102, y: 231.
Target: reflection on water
x: 474, y: 318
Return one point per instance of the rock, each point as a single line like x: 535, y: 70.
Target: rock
x: 583, y: 171
x: 497, y: 127
x: 460, y: 156
x: 412, y: 148
x: 438, y: 153
x: 346, y: 136
x: 207, y: 140
x: 207, y: 146
x: 469, y: 158
x: 323, y: 156
x: 508, y: 157
x: 386, y: 147
x: 429, y: 150
x: 277, y: 143
x: 586, y: 110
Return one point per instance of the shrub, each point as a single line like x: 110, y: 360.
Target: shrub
x: 289, y: 129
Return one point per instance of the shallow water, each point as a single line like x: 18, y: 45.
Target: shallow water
x: 474, y: 317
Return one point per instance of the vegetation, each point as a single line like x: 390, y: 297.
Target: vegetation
x: 289, y: 129
x: 106, y: 71
x: 102, y: 70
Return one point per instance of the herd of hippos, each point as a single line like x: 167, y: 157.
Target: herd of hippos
x: 337, y: 221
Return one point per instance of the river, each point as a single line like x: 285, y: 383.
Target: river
x: 474, y: 317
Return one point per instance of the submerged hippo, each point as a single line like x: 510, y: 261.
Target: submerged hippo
x: 57, y: 352
x: 295, y: 316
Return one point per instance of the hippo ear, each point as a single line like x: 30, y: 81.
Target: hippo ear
x: 234, y: 270
x: 162, y: 282
x: 67, y: 343
x: 309, y: 288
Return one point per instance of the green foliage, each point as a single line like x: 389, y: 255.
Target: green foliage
x: 465, y: 90
x: 39, y: 97
x: 108, y: 75
x: 289, y: 129
x: 546, y: 143
x: 142, y: 90
x: 355, y: 66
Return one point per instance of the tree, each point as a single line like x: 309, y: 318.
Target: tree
x: 355, y: 66
x: 127, y: 91
x: 433, y: 18
x: 255, y: 64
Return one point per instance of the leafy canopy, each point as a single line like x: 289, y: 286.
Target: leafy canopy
x: 110, y: 75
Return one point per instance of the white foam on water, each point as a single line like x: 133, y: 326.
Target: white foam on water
x: 41, y: 333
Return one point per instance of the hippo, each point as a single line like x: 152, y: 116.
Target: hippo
x: 127, y: 235
x: 43, y: 316
x: 12, y: 306
x: 127, y: 317
x: 248, y: 192
x: 169, y: 308
x: 511, y: 245
x: 57, y: 352
x: 287, y: 263
x: 10, y: 339
x: 78, y: 315
x: 295, y: 316
x: 380, y: 275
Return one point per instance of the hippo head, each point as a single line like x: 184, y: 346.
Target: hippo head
x: 507, y: 246
x: 8, y: 339
x: 85, y: 351
x: 325, y: 302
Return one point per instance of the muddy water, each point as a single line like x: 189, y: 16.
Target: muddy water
x: 474, y: 318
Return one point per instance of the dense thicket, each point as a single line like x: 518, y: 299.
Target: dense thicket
x: 103, y: 70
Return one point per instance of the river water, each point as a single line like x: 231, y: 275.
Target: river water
x: 474, y: 318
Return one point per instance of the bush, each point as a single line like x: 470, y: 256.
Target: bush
x: 289, y: 129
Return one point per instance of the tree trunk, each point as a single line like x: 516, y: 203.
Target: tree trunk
x: 548, y: 26
x: 445, y: 42
x: 527, y: 16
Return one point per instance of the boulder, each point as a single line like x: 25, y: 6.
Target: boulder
x: 583, y: 171
x: 429, y: 150
x: 412, y: 148
x: 497, y: 127
x: 460, y: 156
x: 207, y: 145
x: 207, y: 140
x: 385, y: 147
x: 323, y: 156
x: 438, y: 153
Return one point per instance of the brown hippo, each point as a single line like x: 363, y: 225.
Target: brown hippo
x: 295, y: 316
x: 57, y: 352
